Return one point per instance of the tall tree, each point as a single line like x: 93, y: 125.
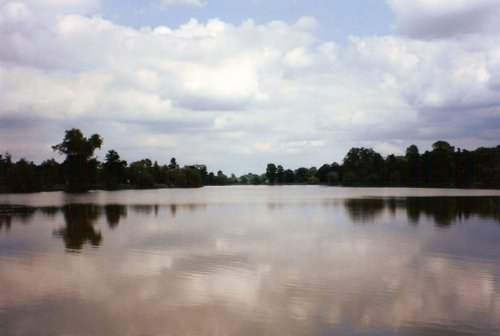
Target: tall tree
x: 6, y: 173
x: 114, y: 170
x: 413, y: 162
x: 173, y: 164
x: 442, y: 164
x: 271, y: 173
x: 280, y: 174
x: 79, y: 151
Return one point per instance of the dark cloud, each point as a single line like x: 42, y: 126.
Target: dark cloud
x: 444, y: 19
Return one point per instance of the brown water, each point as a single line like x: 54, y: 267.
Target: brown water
x: 251, y: 261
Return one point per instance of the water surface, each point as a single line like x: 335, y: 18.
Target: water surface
x: 296, y: 260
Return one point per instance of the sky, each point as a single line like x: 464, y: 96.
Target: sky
x: 238, y: 84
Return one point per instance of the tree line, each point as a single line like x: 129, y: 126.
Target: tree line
x: 442, y: 167
x: 81, y: 170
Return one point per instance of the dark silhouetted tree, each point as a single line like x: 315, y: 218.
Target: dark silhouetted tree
x: 79, y: 151
x: 322, y: 173
x: 395, y: 171
x: 51, y: 175
x: 114, y: 170
x: 442, y: 165
x: 289, y: 176
x: 363, y: 167
x: 25, y: 177
x: 6, y: 173
x: 412, y: 157
x: 280, y: 174
x: 173, y: 164
x: 301, y: 175
x: 140, y: 174
x: 271, y: 173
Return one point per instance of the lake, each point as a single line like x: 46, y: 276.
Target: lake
x: 251, y: 260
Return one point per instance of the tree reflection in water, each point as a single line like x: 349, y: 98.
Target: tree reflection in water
x: 79, y: 228
x: 146, y: 209
x: 20, y: 212
x: 443, y: 211
x: 114, y: 212
x: 80, y: 218
x: 365, y: 210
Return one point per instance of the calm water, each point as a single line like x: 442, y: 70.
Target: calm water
x: 251, y: 261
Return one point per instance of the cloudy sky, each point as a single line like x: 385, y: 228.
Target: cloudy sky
x: 236, y: 84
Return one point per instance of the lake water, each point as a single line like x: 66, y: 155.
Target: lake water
x: 294, y: 260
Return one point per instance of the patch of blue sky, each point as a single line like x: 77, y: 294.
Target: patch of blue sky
x: 337, y: 19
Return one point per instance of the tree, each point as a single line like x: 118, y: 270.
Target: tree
x: 140, y: 173
x: 187, y: 177
x: 442, y: 164
x: 221, y: 178
x: 173, y: 164
x: 289, y: 176
x: 464, y: 168
x: 394, y: 170
x: 413, y: 163
x: 280, y: 175
x: 6, y: 173
x: 79, y: 151
x: 322, y: 173
x: 363, y: 166
x: 25, y: 177
x: 332, y: 178
x: 311, y: 176
x: 51, y: 175
x: 271, y: 173
x: 487, y: 167
x: 114, y: 170
x: 301, y: 175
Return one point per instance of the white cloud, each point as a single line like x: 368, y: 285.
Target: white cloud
x: 238, y: 96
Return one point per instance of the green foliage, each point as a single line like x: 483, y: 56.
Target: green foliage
x: 114, y: 170
x: 252, y: 179
x: 332, y: 178
x: 51, y: 175
x: 412, y: 158
x: 363, y: 167
x: 141, y: 174
x: 271, y: 175
x: 78, y: 165
x: 173, y: 164
x: 280, y: 174
x: 312, y: 180
x: 184, y: 178
x: 442, y: 167
x: 301, y: 175
x: 19, y: 177
x: 289, y: 176
x: 25, y: 178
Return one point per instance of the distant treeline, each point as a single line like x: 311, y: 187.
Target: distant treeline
x: 81, y: 171
x: 442, y: 167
